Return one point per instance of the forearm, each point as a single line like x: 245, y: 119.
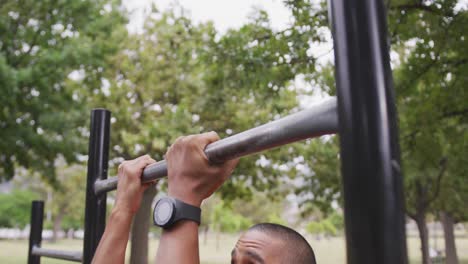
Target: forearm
x: 113, y: 243
x: 179, y: 244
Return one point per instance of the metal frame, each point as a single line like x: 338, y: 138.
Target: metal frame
x: 370, y: 155
x: 316, y: 121
x: 98, y: 160
x: 35, y: 252
x: 58, y: 254
x: 35, y: 233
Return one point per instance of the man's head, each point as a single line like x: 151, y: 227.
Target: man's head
x: 273, y: 244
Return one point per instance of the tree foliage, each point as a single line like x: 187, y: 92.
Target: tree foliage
x: 59, y: 59
x: 330, y: 226
x: 178, y: 78
x: 430, y: 81
x: 224, y: 219
x: 41, y: 43
x: 15, y: 208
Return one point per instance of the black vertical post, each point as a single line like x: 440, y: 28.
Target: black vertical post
x: 35, y: 234
x: 372, y: 184
x: 98, y: 157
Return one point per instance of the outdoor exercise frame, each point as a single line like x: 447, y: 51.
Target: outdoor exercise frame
x: 363, y: 114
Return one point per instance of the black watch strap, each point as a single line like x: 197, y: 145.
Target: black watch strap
x: 168, y: 211
x: 186, y: 211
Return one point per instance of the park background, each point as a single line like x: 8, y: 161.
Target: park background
x: 167, y: 69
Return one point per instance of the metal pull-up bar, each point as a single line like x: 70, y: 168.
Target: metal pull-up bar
x: 316, y: 121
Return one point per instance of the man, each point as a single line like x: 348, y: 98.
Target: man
x: 272, y: 243
x: 191, y: 179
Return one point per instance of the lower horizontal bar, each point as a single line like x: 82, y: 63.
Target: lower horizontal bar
x: 57, y: 254
x: 316, y: 121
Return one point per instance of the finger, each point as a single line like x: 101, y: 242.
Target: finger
x: 122, y: 164
x: 207, y: 138
x: 179, y: 139
x: 123, y: 167
x: 187, y: 139
x: 151, y: 183
x: 228, y: 168
x: 141, y: 163
x: 150, y: 159
x: 145, y: 186
x: 130, y: 163
x: 144, y: 157
x: 231, y: 164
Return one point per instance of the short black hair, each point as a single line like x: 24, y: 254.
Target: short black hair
x: 297, y: 249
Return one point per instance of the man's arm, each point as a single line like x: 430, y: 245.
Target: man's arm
x: 113, y: 243
x: 191, y: 179
x: 179, y: 244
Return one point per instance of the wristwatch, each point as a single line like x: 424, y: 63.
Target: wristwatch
x: 168, y: 211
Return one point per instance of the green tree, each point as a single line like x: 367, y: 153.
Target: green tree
x: 63, y: 204
x: 67, y: 203
x: 15, y: 208
x: 314, y: 228
x: 176, y: 78
x: 260, y: 208
x: 226, y: 220
x: 41, y: 44
x: 429, y: 60
x: 319, y: 168
x: 329, y: 226
x: 430, y: 79
x: 453, y: 198
x: 149, y: 87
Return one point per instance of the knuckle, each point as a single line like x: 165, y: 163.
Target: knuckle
x: 122, y: 165
x: 126, y: 167
x: 179, y: 139
x: 184, y: 140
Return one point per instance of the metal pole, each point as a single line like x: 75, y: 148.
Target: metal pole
x: 98, y: 157
x: 58, y: 254
x: 35, y: 234
x: 372, y: 184
x: 317, y: 121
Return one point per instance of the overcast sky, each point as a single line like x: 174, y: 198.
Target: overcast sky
x: 227, y: 14
x: 224, y: 13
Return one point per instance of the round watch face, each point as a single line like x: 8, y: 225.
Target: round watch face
x: 163, y: 211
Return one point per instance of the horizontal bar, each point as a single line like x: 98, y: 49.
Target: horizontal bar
x: 316, y: 121
x: 57, y: 254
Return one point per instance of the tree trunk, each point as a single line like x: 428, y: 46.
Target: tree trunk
x: 218, y: 233
x: 450, y: 247
x: 205, y: 235
x: 424, y: 237
x: 140, y: 229
x: 57, y: 226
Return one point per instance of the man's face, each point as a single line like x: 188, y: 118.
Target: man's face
x: 256, y: 247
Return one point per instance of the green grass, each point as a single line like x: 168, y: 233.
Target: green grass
x: 327, y: 250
